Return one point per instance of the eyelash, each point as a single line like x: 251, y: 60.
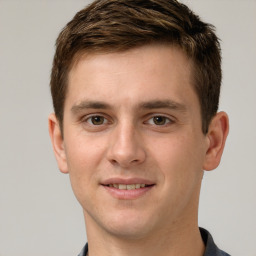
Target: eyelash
x: 166, y: 120
x: 88, y: 120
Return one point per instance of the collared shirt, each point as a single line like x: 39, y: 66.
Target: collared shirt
x: 211, y: 248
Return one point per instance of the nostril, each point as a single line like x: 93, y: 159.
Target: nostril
x: 113, y: 161
x: 124, y: 155
x: 124, y: 163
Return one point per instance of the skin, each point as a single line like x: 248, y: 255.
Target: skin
x: 135, y: 115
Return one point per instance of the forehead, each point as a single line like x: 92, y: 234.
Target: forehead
x: 168, y: 54
x: 148, y: 72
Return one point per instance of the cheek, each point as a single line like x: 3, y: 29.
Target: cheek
x: 175, y: 161
x: 83, y: 152
x: 83, y: 159
x: 180, y: 158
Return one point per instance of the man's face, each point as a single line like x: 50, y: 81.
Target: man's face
x: 133, y: 143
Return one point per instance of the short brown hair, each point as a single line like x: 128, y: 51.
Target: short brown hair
x: 119, y: 25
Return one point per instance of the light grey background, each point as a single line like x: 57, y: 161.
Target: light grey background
x: 38, y: 212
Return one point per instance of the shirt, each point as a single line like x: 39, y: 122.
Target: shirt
x: 211, y: 248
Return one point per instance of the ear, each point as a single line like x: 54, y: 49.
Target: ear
x: 57, y: 143
x: 217, y: 135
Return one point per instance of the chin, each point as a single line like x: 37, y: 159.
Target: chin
x: 128, y: 232
x: 129, y: 226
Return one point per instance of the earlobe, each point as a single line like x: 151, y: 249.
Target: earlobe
x: 57, y: 142
x: 217, y: 135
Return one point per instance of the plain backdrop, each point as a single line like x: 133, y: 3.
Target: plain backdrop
x: 38, y: 213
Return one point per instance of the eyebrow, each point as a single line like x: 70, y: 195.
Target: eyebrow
x: 154, y: 104
x: 169, y: 104
x: 89, y: 105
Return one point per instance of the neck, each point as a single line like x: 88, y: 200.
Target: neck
x: 179, y: 240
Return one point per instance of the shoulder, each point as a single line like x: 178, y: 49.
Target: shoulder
x: 211, y: 249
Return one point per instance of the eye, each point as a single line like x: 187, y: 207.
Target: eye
x: 96, y: 120
x: 159, y: 120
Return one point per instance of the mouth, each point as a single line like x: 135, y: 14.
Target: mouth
x: 128, y: 189
x: 128, y: 186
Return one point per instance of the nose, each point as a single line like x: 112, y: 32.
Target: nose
x: 126, y: 147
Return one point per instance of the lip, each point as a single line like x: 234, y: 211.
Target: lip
x: 127, y: 181
x: 127, y: 194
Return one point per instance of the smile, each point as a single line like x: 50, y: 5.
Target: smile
x: 127, y: 186
x: 129, y: 191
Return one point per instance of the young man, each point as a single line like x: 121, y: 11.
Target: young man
x: 135, y: 87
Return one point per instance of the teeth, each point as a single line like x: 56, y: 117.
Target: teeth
x: 127, y: 187
x: 131, y: 186
x: 122, y: 186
